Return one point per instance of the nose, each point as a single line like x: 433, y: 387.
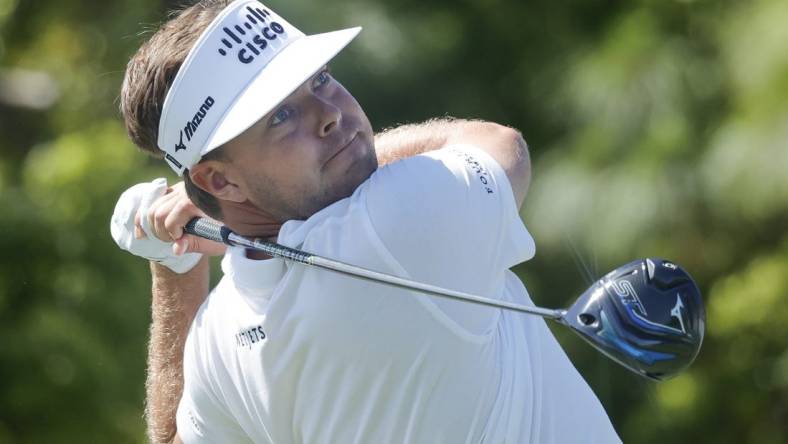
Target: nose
x: 329, y: 118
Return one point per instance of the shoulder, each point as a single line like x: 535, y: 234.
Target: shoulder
x: 450, y: 187
x: 455, y: 168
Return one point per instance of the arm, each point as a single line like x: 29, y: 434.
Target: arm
x: 161, y: 213
x: 505, y: 145
x: 176, y: 298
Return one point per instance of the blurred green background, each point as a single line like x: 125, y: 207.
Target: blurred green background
x: 657, y: 128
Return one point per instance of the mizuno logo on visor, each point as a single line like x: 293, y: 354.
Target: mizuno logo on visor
x: 180, y: 146
x: 192, y: 125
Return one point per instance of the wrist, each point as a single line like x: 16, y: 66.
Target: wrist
x: 181, y: 293
x: 135, y: 202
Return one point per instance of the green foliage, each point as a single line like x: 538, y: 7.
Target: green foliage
x: 74, y: 308
x: 656, y: 129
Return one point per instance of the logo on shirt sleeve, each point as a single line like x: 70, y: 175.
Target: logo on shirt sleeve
x: 194, y: 421
x: 478, y: 169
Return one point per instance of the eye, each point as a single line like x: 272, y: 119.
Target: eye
x: 281, y: 115
x: 322, y: 78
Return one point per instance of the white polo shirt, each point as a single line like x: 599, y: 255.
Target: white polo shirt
x: 285, y: 353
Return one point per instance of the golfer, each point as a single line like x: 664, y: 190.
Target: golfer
x: 242, y: 105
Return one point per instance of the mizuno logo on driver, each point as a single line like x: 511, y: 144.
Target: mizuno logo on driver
x: 675, y: 312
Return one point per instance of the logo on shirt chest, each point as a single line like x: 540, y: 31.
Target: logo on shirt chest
x: 249, y: 337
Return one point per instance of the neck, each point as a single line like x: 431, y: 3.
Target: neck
x: 250, y: 221
x: 257, y: 255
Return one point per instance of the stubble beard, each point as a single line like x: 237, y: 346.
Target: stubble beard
x: 302, y: 204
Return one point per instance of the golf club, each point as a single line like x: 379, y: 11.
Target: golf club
x: 646, y: 315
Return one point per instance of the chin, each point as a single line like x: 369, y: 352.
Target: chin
x: 362, y: 169
x: 346, y: 185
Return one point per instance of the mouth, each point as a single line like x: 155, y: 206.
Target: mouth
x: 342, y: 148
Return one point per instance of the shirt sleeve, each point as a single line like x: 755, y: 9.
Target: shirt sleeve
x: 201, y: 424
x: 449, y: 218
x: 200, y: 417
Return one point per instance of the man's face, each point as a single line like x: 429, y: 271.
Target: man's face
x: 314, y: 148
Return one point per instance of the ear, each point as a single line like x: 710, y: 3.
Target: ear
x: 211, y: 176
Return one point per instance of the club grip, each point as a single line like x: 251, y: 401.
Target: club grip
x: 208, y: 229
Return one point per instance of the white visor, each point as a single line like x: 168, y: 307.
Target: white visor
x: 246, y: 62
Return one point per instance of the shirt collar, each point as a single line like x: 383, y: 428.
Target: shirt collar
x: 255, y: 277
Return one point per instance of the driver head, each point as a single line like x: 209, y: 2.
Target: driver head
x: 647, y: 315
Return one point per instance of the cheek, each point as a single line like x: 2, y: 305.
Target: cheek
x: 295, y: 163
x: 345, y: 100
x: 299, y: 150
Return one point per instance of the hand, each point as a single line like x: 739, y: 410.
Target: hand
x: 165, y: 218
x: 148, y: 222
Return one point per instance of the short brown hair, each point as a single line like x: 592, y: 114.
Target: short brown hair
x: 149, y: 75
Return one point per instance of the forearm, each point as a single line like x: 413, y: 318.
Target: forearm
x: 409, y: 140
x: 176, y: 299
x: 506, y: 145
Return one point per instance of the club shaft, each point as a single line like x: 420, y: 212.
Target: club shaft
x: 211, y: 230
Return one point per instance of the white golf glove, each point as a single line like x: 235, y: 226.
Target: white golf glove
x: 139, y: 198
